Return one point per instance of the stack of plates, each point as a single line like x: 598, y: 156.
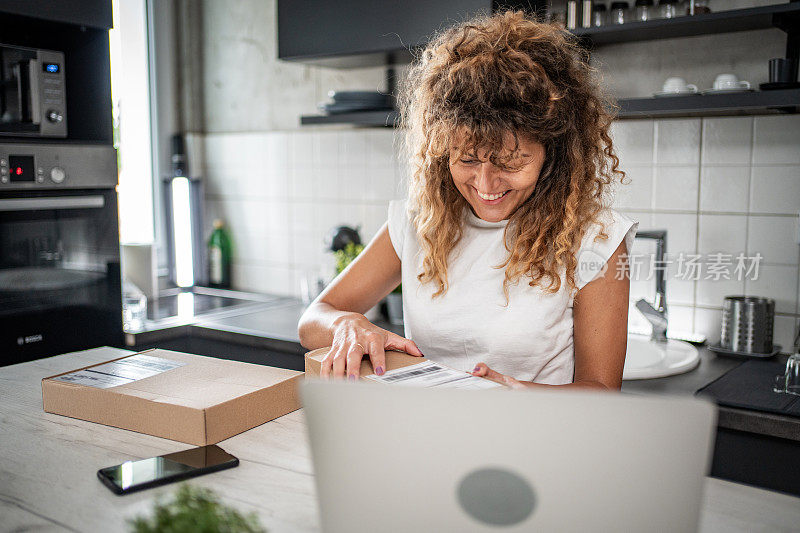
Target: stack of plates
x: 352, y: 101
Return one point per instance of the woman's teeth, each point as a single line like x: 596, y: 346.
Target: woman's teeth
x: 491, y: 196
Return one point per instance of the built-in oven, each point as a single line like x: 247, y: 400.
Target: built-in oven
x: 60, y: 279
x: 33, y: 101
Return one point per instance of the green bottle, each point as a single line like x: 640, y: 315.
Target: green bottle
x: 219, y: 257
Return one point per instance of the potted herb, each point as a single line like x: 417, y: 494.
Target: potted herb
x: 195, y: 510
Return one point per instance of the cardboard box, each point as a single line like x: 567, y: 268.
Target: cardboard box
x: 394, y: 359
x: 179, y: 396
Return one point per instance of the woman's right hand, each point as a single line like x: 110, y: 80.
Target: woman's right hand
x: 354, y: 336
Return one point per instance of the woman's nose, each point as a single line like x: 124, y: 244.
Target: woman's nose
x: 486, y: 178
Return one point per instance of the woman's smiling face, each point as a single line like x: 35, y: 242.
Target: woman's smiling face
x: 494, y: 193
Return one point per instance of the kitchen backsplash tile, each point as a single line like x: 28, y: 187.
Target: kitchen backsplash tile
x: 776, y: 189
x: 775, y: 140
x: 677, y: 142
x: 676, y: 188
x: 724, y: 189
x: 725, y: 185
x: 727, y: 141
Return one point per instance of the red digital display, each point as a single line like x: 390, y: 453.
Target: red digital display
x: 21, y: 167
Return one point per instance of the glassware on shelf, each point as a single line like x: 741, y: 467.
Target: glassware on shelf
x: 668, y: 9
x: 599, y: 14
x: 619, y: 13
x: 644, y: 10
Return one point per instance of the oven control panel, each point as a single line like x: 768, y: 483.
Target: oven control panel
x: 44, y: 166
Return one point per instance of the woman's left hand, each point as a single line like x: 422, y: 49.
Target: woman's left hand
x: 481, y: 370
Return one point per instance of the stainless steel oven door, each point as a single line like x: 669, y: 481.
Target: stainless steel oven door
x: 60, y: 280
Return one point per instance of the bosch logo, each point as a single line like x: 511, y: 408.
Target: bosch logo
x: 29, y: 339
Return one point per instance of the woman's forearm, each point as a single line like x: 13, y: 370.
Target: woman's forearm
x: 315, y: 327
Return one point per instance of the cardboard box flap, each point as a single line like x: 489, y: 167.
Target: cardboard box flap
x: 394, y: 359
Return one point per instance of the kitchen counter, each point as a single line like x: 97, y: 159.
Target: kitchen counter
x: 49, y: 462
x: 274, y: 327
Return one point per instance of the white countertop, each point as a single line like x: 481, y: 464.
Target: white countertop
x: 48, y: 468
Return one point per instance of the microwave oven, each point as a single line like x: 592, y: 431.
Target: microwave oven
x: 33, y: 101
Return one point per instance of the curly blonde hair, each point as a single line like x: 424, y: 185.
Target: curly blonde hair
x: 480, y: 81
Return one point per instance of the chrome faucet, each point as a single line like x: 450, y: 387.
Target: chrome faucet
x: 656, y: 314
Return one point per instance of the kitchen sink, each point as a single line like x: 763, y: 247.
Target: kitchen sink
x: 646, y: 359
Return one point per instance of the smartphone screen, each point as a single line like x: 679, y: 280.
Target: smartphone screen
x: 155, y: 471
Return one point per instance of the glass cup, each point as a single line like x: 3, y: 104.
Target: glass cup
x: 789, y: 381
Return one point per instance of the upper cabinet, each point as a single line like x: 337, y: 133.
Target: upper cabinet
x: 364, y: 33
x: 89, y: 13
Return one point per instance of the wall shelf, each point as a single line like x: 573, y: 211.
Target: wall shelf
x: 745, y: 103
x: 783, y: 16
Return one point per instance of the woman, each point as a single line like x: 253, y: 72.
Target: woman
x: 512, y: 264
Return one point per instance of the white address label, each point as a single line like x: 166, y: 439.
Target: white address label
x: 120, y: 372
x: 430, y: 374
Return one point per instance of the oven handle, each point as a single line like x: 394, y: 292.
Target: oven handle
x: 55, y: 202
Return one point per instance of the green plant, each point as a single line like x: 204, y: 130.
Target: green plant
x: 196, y: 510
x: 345, y: 257
x: 398, y: 289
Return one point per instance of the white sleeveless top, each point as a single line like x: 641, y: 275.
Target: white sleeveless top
x: 531, y: 338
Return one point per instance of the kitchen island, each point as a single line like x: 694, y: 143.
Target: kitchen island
x: 48, y: 469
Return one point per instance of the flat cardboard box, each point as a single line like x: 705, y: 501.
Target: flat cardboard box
x: 204, y: 401
x: 394, y: 359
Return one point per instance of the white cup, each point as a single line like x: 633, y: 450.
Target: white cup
x: 730, y: 81
x: 678, y: 85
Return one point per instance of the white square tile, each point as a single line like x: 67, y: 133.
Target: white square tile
x: 676, y: 188
x: 354, y: 183
x: 326, y: 149
x: 633, y: 141
x: 681, y: 318
x: 722, y: 233
x: 784, y: 332
x: 353, y: 148
x: 637, y: 191
x: 302, y: 217
x: 301, y: 184
x: 678, y: 142
x: 727, y: 140
x: 712, y: 292
x: 775, y: 189
x: 308, y: 249
x: 777, y: 282
x: 326, y: 183
x: 301, y: 146
x: 724, y: 188
x: 775, y: 238
x: 708, y: 322
x: 380, y: 149
x: 681, y: 232
x: 775, y: 140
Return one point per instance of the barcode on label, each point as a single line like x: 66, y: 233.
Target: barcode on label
x: 412, y: 373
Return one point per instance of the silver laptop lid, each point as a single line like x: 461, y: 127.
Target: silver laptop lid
x: 393, y: 458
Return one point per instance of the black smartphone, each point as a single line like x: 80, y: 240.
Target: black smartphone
x: 146, y: 473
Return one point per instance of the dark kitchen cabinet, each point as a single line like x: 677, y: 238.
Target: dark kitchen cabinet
x: 363, y: 33
x: 90, y: 13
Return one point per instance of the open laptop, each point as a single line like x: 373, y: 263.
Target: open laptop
x: 394, y: 458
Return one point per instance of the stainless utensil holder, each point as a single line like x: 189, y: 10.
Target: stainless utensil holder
x: 747, y: 324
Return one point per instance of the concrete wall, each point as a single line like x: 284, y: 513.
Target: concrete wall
x: 716, y: 184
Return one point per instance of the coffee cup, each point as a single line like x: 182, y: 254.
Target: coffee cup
x: 678, y: 85
x: 782, y: 70
x: 730, y: 81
